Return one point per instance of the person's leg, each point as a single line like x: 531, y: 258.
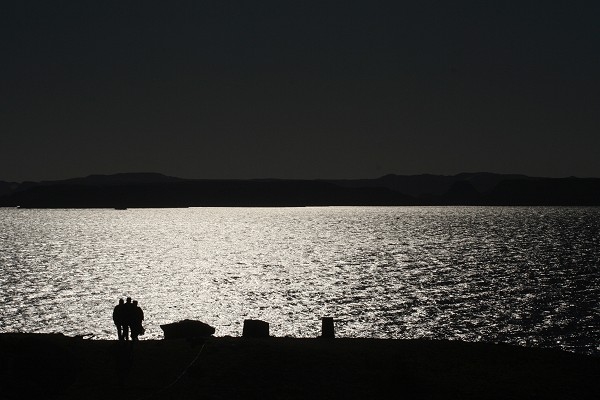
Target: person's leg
x: 126, y: 332
x: 120, y: 332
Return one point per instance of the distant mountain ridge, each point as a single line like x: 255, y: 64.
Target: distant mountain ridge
x: 427, y: 184
x: 158, y: 190
x: 114, y: 179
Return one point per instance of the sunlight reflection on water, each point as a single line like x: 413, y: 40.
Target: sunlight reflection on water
x: 517, y: 275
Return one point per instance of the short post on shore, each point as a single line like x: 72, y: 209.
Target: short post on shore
x: 327, y: 330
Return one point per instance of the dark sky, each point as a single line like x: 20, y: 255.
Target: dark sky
x: 298, y: 89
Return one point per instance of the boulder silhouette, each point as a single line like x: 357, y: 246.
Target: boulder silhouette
x: 187, y: 329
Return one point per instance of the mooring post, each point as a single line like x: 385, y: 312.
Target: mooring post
x: 327, y: 331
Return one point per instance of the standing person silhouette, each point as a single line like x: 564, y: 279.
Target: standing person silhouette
x: 128, y: 310
x: 119, y: 318
x: 136, y: 321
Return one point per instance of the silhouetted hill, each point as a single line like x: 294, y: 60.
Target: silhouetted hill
x: 156, y: 190
x: 559, y: 192
x: 91, y: 180
x: 523, y: 192
x: 7, y: 187
x: 426, y: 184
x: 462, y: 193
x: 199, y: 193
x: 124, y: 179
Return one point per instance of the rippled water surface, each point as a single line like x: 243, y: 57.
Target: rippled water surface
x: 527, y: 276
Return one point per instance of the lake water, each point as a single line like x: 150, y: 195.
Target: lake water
x: 521, y: 275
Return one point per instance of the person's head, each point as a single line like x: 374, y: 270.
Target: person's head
x: 135, y: 302
x: 121, y: 301
x: 129, y: 300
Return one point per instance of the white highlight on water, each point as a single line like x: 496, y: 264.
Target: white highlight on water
x: 513, y: 274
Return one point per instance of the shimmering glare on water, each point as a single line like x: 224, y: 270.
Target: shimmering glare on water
x: 518, y: 275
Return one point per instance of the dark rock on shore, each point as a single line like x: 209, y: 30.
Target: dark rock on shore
x: 187, y: 329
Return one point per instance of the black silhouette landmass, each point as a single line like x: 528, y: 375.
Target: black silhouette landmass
x: 436, y: 185
x: 55, y: 366
x: 156, y: 190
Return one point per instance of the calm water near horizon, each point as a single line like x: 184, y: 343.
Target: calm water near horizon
x: 521, y: 275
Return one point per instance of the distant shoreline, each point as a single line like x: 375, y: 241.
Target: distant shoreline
x: 226, y: 367
x: 159, y: 191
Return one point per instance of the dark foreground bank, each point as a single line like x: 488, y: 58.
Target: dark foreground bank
x: 55, y: 366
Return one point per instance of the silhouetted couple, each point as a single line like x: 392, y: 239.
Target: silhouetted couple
x: 128, y: 317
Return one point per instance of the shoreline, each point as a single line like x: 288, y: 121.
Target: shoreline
x: 63, y: 367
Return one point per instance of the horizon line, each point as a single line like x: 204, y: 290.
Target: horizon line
x: 292, y: 179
